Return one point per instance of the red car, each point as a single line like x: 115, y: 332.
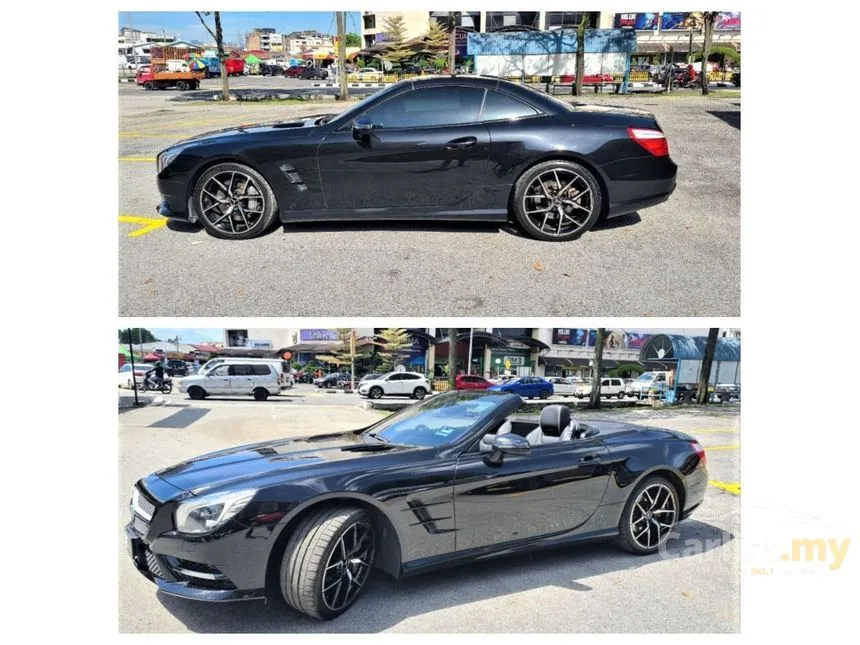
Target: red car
x: 466, y: 382
x: 589, y: 79
x: 293, y: 71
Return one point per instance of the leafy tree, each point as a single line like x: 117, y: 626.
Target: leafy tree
x: 344, y: 352
x: 138, y: 335
x: 395, y: 39
x: 596, y: 369
x: 218, y: 35
x: 708, y: 19
x: 393, y: 345
x: 353, y: 39
x: 707, y: 362
x: 435, y: 40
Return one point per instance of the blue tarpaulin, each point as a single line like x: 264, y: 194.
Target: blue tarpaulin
x: 522, y: 43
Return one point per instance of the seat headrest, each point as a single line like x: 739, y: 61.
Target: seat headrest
x: 554, y: 419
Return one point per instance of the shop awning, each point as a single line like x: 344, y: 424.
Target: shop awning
x: 533, y: 343
x: 247, y: 352
x: 674, y: 347
x: 563, y: 361
x: 422, y: 335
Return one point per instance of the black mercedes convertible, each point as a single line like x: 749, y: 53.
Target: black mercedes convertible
x: 456, y: 478
x: 437, y: 148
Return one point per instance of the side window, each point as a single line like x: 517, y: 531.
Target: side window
x: 221, y: 370
x: 660, y: 378
x: 604, y: 383
x: 498, y: 107
x: 395, y: 377
x: 411, y: 377
x: 428, y: 107
x: 240, y: 370
x: 261, y: 370
x: 125, y: 368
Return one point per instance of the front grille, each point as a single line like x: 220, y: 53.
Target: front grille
x: 145, y: 505
x: 140, y: 525
x: 153, y: 565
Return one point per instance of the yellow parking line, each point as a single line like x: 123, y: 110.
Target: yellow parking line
x: 147, y: 159
x: 734, y: 488
x: 147, y: 224
x: 733, y: 446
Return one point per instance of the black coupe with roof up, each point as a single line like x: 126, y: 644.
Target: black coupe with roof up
x: 436, y: 148
x: 457, y: 478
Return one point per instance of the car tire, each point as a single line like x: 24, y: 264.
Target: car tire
x: 544, y: 394
x: 261, y: 394
x: 149, y: 86
x: 270, y: 208
x: 196, y: 392
x: 525, y: 183
x: 375, y: 393
x: 631, y: 539
x: 620, y: 395
x: 310, y: 561
x: 419, y: 393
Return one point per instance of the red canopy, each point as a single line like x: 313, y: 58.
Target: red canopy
x: 151, y: 357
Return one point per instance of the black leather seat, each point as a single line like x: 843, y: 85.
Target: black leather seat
x: 554, y: 420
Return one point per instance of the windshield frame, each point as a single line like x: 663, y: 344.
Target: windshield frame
x: 507, y: 403
x: 345, y: 117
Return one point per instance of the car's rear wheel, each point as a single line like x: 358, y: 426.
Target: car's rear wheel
x: 261, y: 394
x: 557, y: 200
x: 419, y: 393
x: 328, y: 561
x: 234, y: 201
x: 544, y: 394
x: 621, y: 395
x: 375, y: 393
x: 196, y: 392
x: 182, y: 86
x: 649, y: 516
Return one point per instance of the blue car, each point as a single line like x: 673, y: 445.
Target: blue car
x: 527, y: 387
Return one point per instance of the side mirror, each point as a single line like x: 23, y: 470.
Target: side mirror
x: 362, y: 127
x: 508, y: 444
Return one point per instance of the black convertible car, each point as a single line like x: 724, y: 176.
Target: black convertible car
x: 455, y: 479
x: 438, y: 148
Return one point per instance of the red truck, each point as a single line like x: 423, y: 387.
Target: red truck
x: 155, y: 77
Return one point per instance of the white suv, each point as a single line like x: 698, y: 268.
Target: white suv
x: 234, y: 379
x: 609, y: 386
x: 409, y: 384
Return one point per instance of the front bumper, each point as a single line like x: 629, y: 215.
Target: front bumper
x: 178, y: 578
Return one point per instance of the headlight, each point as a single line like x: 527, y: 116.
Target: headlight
x: 207, y: 513
x: 167, y: 156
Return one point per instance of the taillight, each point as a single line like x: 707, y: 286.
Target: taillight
x: 654, y: 141
x: 700, y: 453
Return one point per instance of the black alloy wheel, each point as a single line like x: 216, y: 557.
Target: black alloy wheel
x: 557, y: 200
x: 649, y: 516
x: 234, y: 201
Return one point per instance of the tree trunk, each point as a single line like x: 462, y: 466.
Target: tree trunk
x: 580, y: 55
x: 452, y: 357
x: 452, y: 42
x: 707, y: 361
x: 708, y: 28
x: 341, y: 55
x: 596, y: 368
x: 222, y: 57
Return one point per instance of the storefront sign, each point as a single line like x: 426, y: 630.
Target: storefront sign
x: 260, y: 344
x: 318, y: 334
x: 725, y: 21
x: 641, y: 21
x: 635, y: 341
x: 570, y: 336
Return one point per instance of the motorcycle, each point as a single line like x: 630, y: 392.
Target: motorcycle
x: 165, y: 387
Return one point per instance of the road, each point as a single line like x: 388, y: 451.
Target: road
x: 594, y: 588
x: 681, y: 258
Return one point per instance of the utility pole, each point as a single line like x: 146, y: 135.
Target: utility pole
x: 341, y: 55
x: 469, y: 366
x: 131, y: 357
x: 351, y: 347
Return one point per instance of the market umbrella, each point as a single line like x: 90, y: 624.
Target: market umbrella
x: 196, y: 65
x: 152, y: 357
x: 124, y: 351
x: 253, y: 60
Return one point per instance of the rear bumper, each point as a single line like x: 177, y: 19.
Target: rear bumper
x: 656, y: 184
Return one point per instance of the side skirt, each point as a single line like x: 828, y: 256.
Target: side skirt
x: 399, y: 213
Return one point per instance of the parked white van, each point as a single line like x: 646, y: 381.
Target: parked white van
x: 236, y: 378
x: 286, y: 378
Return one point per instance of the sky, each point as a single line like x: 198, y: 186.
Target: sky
x: 189, y: 336
x: 186, y: 25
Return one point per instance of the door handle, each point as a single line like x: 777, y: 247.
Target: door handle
x: 461, y: 143
x: 589, y: 460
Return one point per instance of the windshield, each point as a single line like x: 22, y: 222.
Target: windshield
x: 442, y: 419
x: 647, y: 376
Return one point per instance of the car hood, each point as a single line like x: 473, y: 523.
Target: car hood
x: 281, y: 458
x: 256, y: 128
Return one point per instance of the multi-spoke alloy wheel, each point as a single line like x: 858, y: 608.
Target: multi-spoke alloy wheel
x: 348, y: 566
x: 327, y: 560
x: 557, y: 200
x: 234, y: 201
x: 649, y: 516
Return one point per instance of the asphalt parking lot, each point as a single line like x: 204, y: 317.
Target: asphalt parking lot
x: 681, y: 258
x: 594, y: 588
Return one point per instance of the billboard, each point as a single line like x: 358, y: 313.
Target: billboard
x: 642, y: 21
x: 635, y: 341
x: 725, y: 20
x: 580, y: 337
x: 318, y: 334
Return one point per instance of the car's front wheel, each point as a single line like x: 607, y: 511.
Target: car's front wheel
x: 557, y: 200
x: 544, y: 394
x: 196, y: 392
x: 375, y: 393
x: 649, y: 516
x: 328, y: 561
x: 234, y: 202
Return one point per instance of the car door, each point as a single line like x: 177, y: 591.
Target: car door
x: 394, y: 384
x: 551, y: 490
x: 427, y: 149
x: 218, y: 380
x: 241, y: 377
